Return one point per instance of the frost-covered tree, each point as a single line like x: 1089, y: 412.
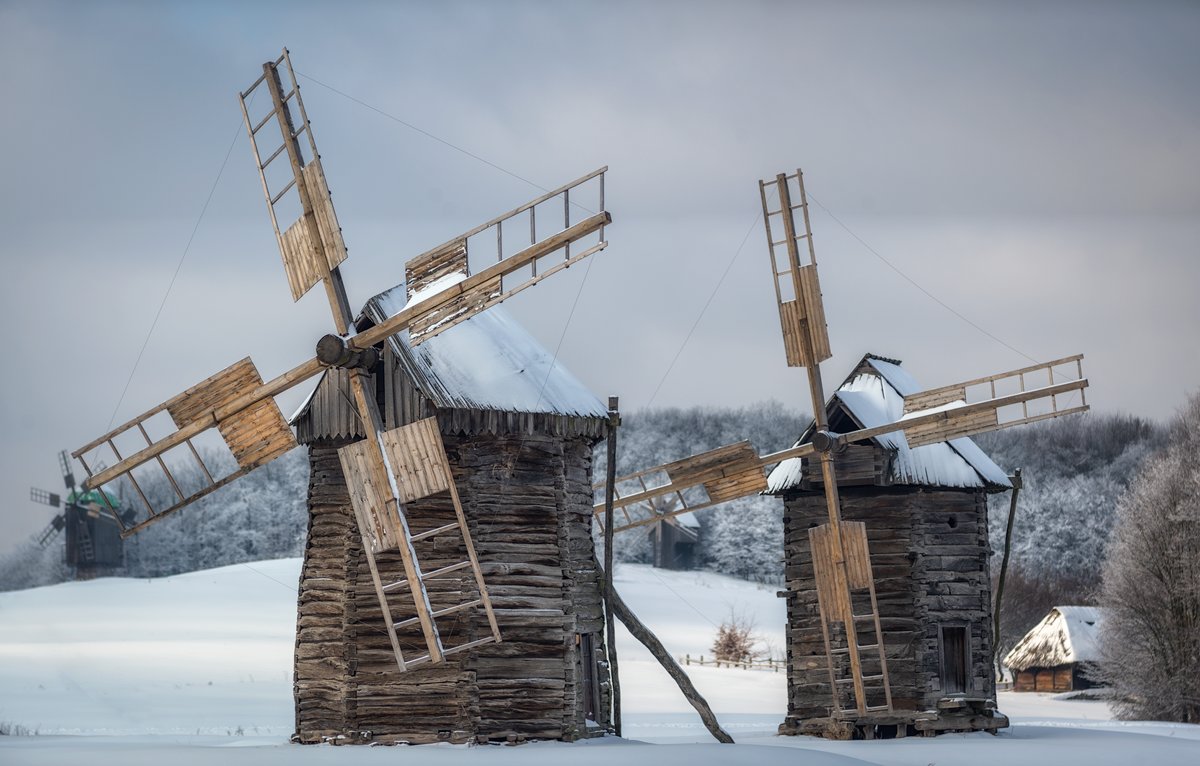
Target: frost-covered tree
x: 1150, y: 639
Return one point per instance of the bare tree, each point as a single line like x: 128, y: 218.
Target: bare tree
x: 1150, y: 640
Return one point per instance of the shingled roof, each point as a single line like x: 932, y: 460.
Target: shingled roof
x: 873, y: 395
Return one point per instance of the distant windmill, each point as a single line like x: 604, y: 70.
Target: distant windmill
x: 93, y: 535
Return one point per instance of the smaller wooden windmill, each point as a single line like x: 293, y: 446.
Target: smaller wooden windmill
x: 853, y: 637
x: 391, y: 467
x: 93, y: 544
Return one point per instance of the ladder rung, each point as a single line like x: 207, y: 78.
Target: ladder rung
x: 275, y: 154
x: 878, y: 708
x: 283, y: 191
x: 417, y: 661
x: 264, y: 121
x: 469, y: 645
x: 864, y: 647
x: 867, y: 616
x: 439, y: 613
x: 445, y: 570
x: 878, y: 677
x: 435, y: 531
x: 427, y: 576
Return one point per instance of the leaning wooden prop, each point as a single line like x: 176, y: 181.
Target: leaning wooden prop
x: 840, y: 556
x: 391, y: 467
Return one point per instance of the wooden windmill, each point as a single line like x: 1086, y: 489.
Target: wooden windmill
x: 93, y: 542
x: 850, y: 624
x: 390, y: 468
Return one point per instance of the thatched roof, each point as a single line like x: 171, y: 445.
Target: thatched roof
x: 1065, y: 636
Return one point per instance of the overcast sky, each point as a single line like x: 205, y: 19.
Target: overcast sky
x: 1032, y: 165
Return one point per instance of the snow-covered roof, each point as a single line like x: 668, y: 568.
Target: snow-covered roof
x: 488, y: 362
x: 1067, y: 635
x: 688, y: 520
x: 872, y: 396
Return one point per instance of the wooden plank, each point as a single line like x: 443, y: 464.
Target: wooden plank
x: 790, y: 316
x: 951, y: 428
x: 826, y: 573
x: 332, y: 246
x: 418, y: 459
x: 729, y: 460
x: 367, y: 495
x: 255, y: 435
x: 300, y: 258
x: 858, y: 558
x: 429, y: 267
x: 925, y: 400
x: 748, y: 482
x: 815, y: 313
x: 461, y: 306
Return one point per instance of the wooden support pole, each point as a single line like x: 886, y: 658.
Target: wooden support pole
x: 1012, y: 514
x: 614, y: 420
x: 651, y: 642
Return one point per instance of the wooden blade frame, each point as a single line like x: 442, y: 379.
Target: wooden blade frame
x: 251, y: 425
x: 807, y: 343
x: 797, y: 287
x: 448, y: 263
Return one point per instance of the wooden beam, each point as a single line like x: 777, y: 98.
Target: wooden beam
x: 651, y: 642
x: 958, y: 412
x: 203, y: 421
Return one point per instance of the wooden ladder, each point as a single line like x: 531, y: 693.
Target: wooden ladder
x: 83, y: 541
x: 840, y: 597
x: 418, y: 468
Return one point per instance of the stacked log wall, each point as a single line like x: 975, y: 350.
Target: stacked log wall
x: 527, y: 499
x: 927, y: 573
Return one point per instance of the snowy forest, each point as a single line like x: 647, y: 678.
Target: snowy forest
x: 1075, y: 470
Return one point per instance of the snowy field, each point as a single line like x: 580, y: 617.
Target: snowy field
x: 196, y: 669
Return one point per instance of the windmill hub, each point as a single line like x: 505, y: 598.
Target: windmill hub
x: 333, y: 351
x: 826, y: 441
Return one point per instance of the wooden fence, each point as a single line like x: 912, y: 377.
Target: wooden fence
x: 767, y: 664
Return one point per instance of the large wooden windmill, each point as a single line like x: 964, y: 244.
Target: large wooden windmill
x: 390, y: 468
x: 854, y: 651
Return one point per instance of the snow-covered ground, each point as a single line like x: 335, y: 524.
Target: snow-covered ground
x: 195, y: 669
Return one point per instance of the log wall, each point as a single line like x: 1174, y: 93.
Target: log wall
x: 527, y: 499
x: 929, y: 551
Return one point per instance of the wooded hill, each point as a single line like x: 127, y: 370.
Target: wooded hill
x: 1074, y: 469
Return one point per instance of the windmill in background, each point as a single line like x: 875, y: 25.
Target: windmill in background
x: 92, y: 536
